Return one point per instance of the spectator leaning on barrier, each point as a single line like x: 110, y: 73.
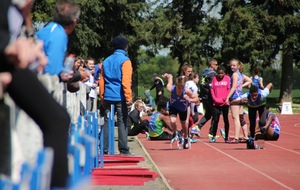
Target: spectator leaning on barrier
x: 55, y: 37
x: 115, y: 89
x: 31, y: 96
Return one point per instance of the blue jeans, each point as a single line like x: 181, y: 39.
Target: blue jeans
x: 122, y: 113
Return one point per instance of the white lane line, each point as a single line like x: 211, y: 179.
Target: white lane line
x: 297, y: 125
x: 282, y: 148
x: 247, y: 165
x: 292, y: 134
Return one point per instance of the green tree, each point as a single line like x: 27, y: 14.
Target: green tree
x: 256, y: 31
x: 100, y: 22
x: 180, y: 24
x: 158, y: 64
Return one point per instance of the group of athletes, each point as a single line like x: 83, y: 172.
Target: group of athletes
x: 218, y: 93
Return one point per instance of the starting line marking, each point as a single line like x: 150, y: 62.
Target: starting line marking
x: 252, y: 168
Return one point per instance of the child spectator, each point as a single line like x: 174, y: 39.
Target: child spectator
x: 134, y: 123
x: 90, y: 63
x: 159, y: 127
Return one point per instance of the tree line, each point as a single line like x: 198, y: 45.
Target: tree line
x: 261, y: 33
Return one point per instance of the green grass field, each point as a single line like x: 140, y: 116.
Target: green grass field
x: 272, y: 99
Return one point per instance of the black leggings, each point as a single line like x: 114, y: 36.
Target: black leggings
x: 30, y: 95
x: 216, y: 117
x: 142, y: 127
x: 252, y: 114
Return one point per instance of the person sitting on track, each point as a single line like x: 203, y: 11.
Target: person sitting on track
x: 134, y: 123
x: 268, y: 125
x: 159, y: 127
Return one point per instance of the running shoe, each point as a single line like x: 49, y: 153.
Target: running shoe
x: 179, y: 134
x: 243, y: 140
x: 193, y: 140
x: 147, y: 135
x: 174, y: 139
x: 223, y: 133
x: 195, y: 130
x: 210, y: 136
x: 226, y: 140
x: 212, y: 140
x: 250, y: 143
x: 186, y: 144
x: 234, y: 141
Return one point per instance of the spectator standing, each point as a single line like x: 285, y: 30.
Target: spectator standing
x: 220, y: 88
x: 205, y: 94
x: 115, y: 89
x: 91, y: 83
x: 257, y: 80
x: 236, y: 86
x: 150, y: 101
x: 34, y: 98
x: 186, y: 70
x: 158, y: 84
x: 55, y: 36
x: 98, y: 67
x: 82, y: 75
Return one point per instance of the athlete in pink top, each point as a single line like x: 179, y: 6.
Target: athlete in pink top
x: 219, y: 90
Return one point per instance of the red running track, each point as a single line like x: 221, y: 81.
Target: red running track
x: 225, y: 166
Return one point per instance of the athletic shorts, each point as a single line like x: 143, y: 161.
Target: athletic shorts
x: 182, y: 115
x: 163, y: 136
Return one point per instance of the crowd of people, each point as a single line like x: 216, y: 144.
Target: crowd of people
x: 219, y: 94
x: 111, y: 80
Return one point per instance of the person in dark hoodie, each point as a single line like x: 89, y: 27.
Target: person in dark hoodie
x: 205, y: 95
x: 150, y: 101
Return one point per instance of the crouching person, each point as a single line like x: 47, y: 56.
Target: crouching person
x: 268, y: 126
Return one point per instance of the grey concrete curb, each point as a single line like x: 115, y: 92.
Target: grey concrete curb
x: 156, y: 167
